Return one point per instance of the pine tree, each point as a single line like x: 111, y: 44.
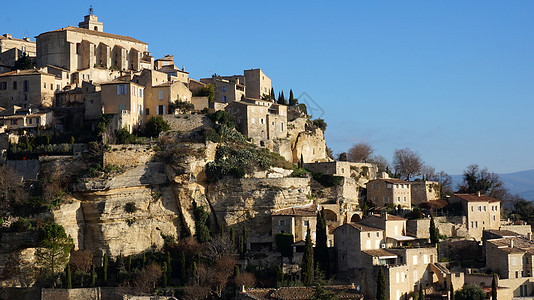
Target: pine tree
x: 182, y: 268
x: 380, y: 285
x: 105, y: 267
x: 69, y: 277
x: 321, y: 247
x: 164, y: 278
x: 433, y: 231
x: 494, y: 287
x: 93, y: 276
x: 307, y: 261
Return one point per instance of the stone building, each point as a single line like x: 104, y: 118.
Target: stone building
x: 88, y: 46
x: 295, y: 221
x: 28, y: 88
x: 482, y: 212
x: 124, y: 98
x: 511, y: 258
x: 260, y: 120
x: 389, y: 191
x: 11, y: 49
x: 226, y: 90
x: 257, y: 84
x: 350, y: 239
x: 17, y: 118
x: 423, y: 191
x: 166, y: 65
x: 394, y: 229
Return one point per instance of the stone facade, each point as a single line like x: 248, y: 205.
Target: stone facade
x: 295, y: 221
x: 482, y: 213
x: 124, y: 98
x: 257, y: 84
x: 386, y: 191
x: 351, y: 239
x: 226, y: 91
x: 27, y: 89
x: 11, y: 49
x: 75, y: 49
x: 425, y: 191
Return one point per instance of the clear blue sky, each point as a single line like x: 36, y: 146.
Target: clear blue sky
x: 453, y: 80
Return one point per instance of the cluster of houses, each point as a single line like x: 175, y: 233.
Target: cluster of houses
x: 83, y: 72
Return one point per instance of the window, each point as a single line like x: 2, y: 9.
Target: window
x: 51, y: 87
x: 375, y: 186
x: 386, y: 199
x: 405, y: 199
x: 281, y: 126
x: 425, y: 259
x: 479, y: 208
x: 30, y: 120
x: 368, y: 234
x: 307, y: 223
x: 378, y: 234
x: 141, y: 93
x: 140, y: 109
x: 368, y: 244
x: 161, y: 109
x: 253, y: 121
x: 122, y: 107
x: 389, y: 185
x: 472, y: 208
x: 134, y: 92
x: 398, y: 199
x: 282, y: 222
x: 493, y: 218
x: 225, y: 99
x: 160, y: 95
x: 14, y: 85
x: 223, y: 89
x: 262, y: 121
x: 147, y: 111
x: 484, y: 208
x: 471, y: 224
x: 3, y: 86
x: 414, y: 258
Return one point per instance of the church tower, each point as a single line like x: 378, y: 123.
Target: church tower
x: 91, y: 22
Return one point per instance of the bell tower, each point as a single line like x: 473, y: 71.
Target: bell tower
x: 91, y: 22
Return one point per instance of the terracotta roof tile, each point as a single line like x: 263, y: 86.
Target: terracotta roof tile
x: 378, y: 253
x: 476, y: 198
x: 363, y: 227
x: 297, y: 211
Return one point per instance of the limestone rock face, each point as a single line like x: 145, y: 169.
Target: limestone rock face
x: 17, y: 258
x: 251, y: 201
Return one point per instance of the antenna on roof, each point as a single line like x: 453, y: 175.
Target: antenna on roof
x: 91, y: 11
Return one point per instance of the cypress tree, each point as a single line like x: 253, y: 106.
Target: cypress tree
x: 321, y: 247
x: 144, y: 260
x: 272, y: 94
x: 433, y: 231
x: 69, y: 277
x: 421, y: 294
x: 380, y: 285
x: 129, y: 263
x: 245, y: 236
x: 494, y: 287
x: 105, y: 267
x: 292, y: 101
x: 452, y: 293
x: 301, y: 160
x: 195, y: 271
x: 307, y: 261
x: 236, y: 271
x: 93, y: 276
x: 164, y: 274
x: 182, y: 268
x: 169, y: 267
x: 279, y: 274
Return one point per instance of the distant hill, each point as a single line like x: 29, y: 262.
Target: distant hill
x: 521, y: 183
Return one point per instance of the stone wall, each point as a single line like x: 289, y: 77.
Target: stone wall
x: 128, y: 155
x: 200, y: 102
x: 452, y: 226
x: 425, y: 191
x: 67, y: 294
x: 524, y: 230
x: 188, y: 122
x: 419, y: 228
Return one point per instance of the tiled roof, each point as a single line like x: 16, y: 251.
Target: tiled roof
x: 520, y: 245
x: 389, y: 217
x: 363, y: 227
x: 98, y: 33
x: 503, y: 233
x: 26, y: 73
x: 14, y: 39
x: 378, y: 253
x: 476, y: 198
x: 297, y: 211
x: 434, y: 204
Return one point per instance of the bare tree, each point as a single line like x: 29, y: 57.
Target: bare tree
x: 147, y: 279
x: 224, y: 268
x: 197, y: 291
x: 407, y: 163
x: 381, y: 162
x: 81, y: 260
x: 12, y: 191
x: 360, y: 152
x: 428, y: 173
x: 245, y: 279
x: 218, y: 246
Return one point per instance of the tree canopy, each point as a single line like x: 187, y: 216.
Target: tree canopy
x: 476, y: 179
x: 407, y: 163
x: 156, y: 125
x: 360, y: 152
x: 54, y: 249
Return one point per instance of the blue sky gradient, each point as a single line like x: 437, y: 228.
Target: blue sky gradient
x: 452, y: 80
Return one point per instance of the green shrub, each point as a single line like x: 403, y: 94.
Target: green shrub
x: 320, y: 123
x: 156, y: 125
x: 21, y: 225
x: 124, y: 136
x: 327, y: 180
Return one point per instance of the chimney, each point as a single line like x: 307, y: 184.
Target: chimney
x: 512, y: 243
x: 478, y: 193
x: 529, y: 236
x: 27, y: 39
x: 7, y: 35
x: 353, y: 286
x: 183, y: 68
x: 243, y: 289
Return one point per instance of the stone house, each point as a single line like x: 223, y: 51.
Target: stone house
x: 27, y: 88
x: 166, y: 65
x: 126, y: 99
x: 350, y: 239
x: 364, y: 171
x: 11, y: 49
x: 88, y: 46
x: 389, y: 191
x: 394, y: 229
x: 260, y: 120
x: 482, y: 212
x: 226, y: 90
x: 295, y: 221
x: 17, y: 118
x: 257, y: 84
x: 511, y: 258
x: 423, y: 191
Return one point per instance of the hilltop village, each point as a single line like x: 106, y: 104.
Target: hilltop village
x: 124, y: 178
